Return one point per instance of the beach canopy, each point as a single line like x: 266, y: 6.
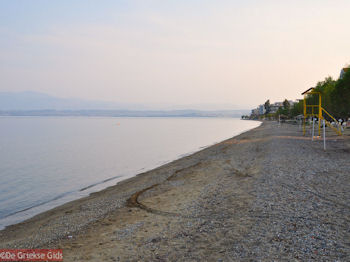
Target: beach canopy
x: 311, y: 88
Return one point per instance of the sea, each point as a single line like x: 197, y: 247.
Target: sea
x: 48, y: 161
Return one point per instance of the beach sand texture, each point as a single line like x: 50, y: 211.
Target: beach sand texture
x: 267, y: 194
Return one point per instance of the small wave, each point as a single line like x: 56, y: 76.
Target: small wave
x: 37, y: 205
x: 57, y: 197
x: 98, y: 183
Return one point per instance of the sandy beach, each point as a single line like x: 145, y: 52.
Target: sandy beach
x: 269, y: 194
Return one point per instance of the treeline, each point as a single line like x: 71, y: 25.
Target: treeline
x: 335, y: 99
x: 335, y: 95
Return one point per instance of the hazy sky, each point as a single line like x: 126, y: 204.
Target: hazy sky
x: 172, y: 52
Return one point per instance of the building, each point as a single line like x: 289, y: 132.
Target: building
x: 291, y: 103
x: 261, y: 109
x: 255, y: 112
x: 275, y: 106
x: 343, y: 71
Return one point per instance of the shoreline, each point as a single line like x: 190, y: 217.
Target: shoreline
x: 76, y: 193
x: 96, y: 193
x: 28, y: 213
x: 232, y: 198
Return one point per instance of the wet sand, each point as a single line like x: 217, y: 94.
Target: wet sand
x: 267, y: 194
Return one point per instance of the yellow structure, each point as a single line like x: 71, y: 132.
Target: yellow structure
x: 318, y: 111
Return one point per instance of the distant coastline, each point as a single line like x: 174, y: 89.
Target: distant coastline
x: 125, y: 113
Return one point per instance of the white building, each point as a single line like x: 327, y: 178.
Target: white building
x: 255, y: 111
x: 275, y: 106
x: 261, y: 109
x: 343, y: 71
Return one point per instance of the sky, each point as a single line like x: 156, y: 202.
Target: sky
x: 224, y: 54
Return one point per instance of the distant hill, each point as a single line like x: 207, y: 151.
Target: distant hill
x: 124, y: 113
x: 38, y: 104
x: 29, y: 100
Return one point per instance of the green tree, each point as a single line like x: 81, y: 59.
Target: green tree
x: 267, y: 106
x: 286, y: 105
x: 340, y: 97
x: 297, y: 109
x: 285, y: 110
x: 325, y: 87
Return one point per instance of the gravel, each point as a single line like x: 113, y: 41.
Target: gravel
x: 267, y: 195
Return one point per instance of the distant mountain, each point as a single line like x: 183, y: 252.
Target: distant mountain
x: 38, y: 104
x: 29, y: 100
x: 123, y: 113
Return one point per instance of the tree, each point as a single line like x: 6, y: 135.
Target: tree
x: 285, y: 110
x: 267, y: 106
x: 297, y: 109
x: 325, y: 88
x: 286, y: 104
x: 340, y: 96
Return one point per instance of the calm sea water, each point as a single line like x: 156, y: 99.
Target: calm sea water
x: 45, y: 162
